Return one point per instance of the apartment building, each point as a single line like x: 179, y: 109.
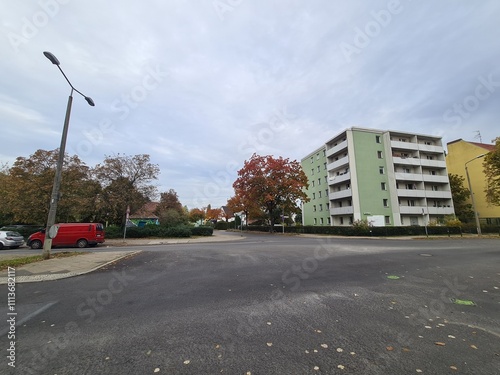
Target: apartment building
x: 385, y: 177
x: 459, y: 154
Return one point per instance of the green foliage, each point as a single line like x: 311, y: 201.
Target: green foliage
x: 460, y: 195
x: 203, y: 230
x: 113, y: 231
x: 172, y: 218
x: 223, y: 225
x: 492, y: 172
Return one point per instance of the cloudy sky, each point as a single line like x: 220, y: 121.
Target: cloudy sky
x: 202, y: 85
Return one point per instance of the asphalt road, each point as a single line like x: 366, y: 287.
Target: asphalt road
x: 269, y: 305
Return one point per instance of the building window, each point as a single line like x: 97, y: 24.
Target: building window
x: 312, y: 160
x: 386, y: 202
x: 321, y: 207
x: 318, y: 168
x: 328, y: 206
x: 312, y: 183
x: 314, y: 195
x: 379, y: 154
x: 317, y: 156
x: 312, y: 172
x: 314, y: 208
x: 321, y: 221
x: 429, y: 157
x: 381, y: 170
x: 315, y: 221
x: 326, y: 193
x: 435, y: 188
x: 329, y: 220
x: 319, y: 181
x: 387, y: 220
x: 377, y: 138
x: 324, y: 166
x: 326, y: 179
x: 341, y: 221
x: 383, y: 186
x: 319, y: 194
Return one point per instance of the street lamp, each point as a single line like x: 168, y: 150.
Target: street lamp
x: 47, y: 245
x: 478, y: 225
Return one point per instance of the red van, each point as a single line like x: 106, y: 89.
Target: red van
x: 71, y: 234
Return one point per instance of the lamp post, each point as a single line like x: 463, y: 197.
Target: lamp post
x: 47, y: 245
x: 478, y: 225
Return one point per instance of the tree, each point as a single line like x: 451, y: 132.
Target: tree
x: 271, y: 183
x: 170, y: 210
x: 6, y: 215
x: 491, y: 166
x: 460, y: 194
x: 30, y: 187
x: 126, y: 182
x: 196, y: 215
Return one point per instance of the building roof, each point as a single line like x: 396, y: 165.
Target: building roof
x: 146, y: 211
x: 486, y: 146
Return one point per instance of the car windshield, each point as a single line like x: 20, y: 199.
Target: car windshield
x: 13, y: 234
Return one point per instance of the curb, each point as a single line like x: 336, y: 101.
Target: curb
x: 51, y: 277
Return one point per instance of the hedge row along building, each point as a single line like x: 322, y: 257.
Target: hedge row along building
x: 389, y: 178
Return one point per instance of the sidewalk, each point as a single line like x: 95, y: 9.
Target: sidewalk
x: 60, y: 268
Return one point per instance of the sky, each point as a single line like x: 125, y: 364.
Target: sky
x: 202, y: 85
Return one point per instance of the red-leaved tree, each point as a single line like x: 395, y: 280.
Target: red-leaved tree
x: 271, y: 184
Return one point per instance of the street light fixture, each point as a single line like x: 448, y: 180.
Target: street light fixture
x: 47, y: 245
x: 478, y: 225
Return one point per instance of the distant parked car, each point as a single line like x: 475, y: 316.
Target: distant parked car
x: 10, y: 239
x: 71, y: 234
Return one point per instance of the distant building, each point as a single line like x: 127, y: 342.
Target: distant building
x: 385, y: 177
x: 461, y: 152
x: 145, y: 215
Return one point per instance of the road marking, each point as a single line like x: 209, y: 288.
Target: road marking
x: 30, y: 316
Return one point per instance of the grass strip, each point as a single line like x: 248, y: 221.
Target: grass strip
x: 21, y: 261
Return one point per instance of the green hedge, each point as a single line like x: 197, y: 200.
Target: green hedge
x: 159, y: 231
x: 378, y: 231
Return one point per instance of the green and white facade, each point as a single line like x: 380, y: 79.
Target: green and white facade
x: 385, y: 177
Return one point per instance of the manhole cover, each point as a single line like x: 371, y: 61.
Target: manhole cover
x: 426, y: 255
x: 463, y: 302
x: 393, y: 277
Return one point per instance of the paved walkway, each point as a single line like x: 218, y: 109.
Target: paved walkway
x: 60, y: 268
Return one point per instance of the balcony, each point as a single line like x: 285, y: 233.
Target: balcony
x: 440, y: 210
x: 339, y: 163
x: 406, y: 161
x: 433, y: 163
x: 348, y: 210
x: 337, y: 179
x: 408, y: 176
x: 340, y: 194
x: 411, y: 193
x: 404, y: 145
x: 438, y: 194
x: 430, y: 148
x: 412, y: 210
x: 435, y: 178
x: 332, y: 151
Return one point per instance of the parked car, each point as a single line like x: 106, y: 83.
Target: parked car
x: 70, y: 234
x: 10, y: 239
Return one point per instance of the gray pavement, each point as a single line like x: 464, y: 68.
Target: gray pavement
x: 60, y: 268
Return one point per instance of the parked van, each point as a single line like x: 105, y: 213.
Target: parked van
x: 71, y: 234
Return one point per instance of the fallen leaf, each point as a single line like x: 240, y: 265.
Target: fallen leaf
x: 473, y: 346
x: 324, y: 346
x: 438, y: 343
x: 340, y: 350
x: 318, y: 331
x: 390, y: 348
x: 451, y: 336
x: 187, y: 361
x: 269, y: 344
x: 307, y: 351
x: 405, y: 350
x: 148, y: 352
x: 428, y: 327
x: 341, y: 367
x: 352, y: 353
x: 157, y: 369
x: 454, y: 368
x: 418, y: 370
x: 217, y: 346
x: 268, y: 323
x: 316, y: 368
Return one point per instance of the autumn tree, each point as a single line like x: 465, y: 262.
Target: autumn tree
x: 250, y: 208
x: 6, y: 215
x: 491, y: 166
x: 271, y: 183
x: 196, y: 214
x: 170, y: 210
x: 460, y: 195
x: 126, y: 182
x: 31, y: 180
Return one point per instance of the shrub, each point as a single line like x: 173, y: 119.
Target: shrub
x: 202, y: 231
